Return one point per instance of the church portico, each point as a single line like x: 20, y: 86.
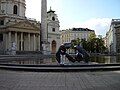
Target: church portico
x: 28, y: 41
x: 21, y: 42
x: 9, y: 40
x: 16, y: 38
x: 24, y: 41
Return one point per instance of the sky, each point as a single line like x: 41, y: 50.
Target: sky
x: 92, y: 14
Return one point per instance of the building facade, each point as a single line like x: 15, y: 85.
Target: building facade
x: 71, y: 34
x: 16, y: 28
x: 53, y: 31
x: 113, y: 37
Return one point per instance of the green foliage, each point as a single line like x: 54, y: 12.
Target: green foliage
x: 92, y: 36
x: 94, y: 44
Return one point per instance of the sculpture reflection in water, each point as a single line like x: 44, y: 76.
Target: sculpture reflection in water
x: 80, y: 54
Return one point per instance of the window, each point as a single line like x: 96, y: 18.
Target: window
x: 53, y: 29
x: 15, y: 9
x: 1, y: 37
x: 53, y: 18
x: 1, y: 22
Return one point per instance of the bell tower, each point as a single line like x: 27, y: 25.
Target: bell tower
x: 14, y: 8
x: 53, y: 30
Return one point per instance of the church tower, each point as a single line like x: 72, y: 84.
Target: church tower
x: 53, y: 31
x: 14, y: 8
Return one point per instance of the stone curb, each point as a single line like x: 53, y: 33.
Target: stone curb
x: 58, y: 68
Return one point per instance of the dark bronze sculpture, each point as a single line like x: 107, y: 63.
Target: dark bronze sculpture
x: 81, y: 54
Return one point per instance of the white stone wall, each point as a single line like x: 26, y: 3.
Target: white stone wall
x: 111, y: 40
x: 111, y: 36
x: 22, y: 9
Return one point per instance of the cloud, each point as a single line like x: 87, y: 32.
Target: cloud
x: 100, y: 25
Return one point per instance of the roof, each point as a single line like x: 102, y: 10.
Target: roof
x: 115, y: 21
x: 51, y: 11
x: 81, y: 29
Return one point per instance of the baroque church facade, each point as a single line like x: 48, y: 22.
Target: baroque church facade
x: 53, y: 31
x: 25, y: 33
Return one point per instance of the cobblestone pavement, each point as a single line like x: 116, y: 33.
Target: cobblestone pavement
x: 18, y: 80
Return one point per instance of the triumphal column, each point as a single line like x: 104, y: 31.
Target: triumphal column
x: 44, y: 32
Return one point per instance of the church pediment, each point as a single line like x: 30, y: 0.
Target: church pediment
x: 25, y: 25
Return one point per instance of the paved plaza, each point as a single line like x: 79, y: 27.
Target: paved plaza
x: 19, y: 80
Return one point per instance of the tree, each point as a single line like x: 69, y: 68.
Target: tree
x: 84, y: 44
x: 95, y: 45
x: 92, y: 36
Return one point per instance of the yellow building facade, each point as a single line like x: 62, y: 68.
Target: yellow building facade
x: 72, y: 34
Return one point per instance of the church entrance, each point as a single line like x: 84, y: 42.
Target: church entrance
x: 53, y: 46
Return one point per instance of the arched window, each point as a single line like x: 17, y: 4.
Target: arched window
x: 15, y: 9
x: 53, y: 18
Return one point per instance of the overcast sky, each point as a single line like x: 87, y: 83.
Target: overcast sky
x: 92, y: 14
